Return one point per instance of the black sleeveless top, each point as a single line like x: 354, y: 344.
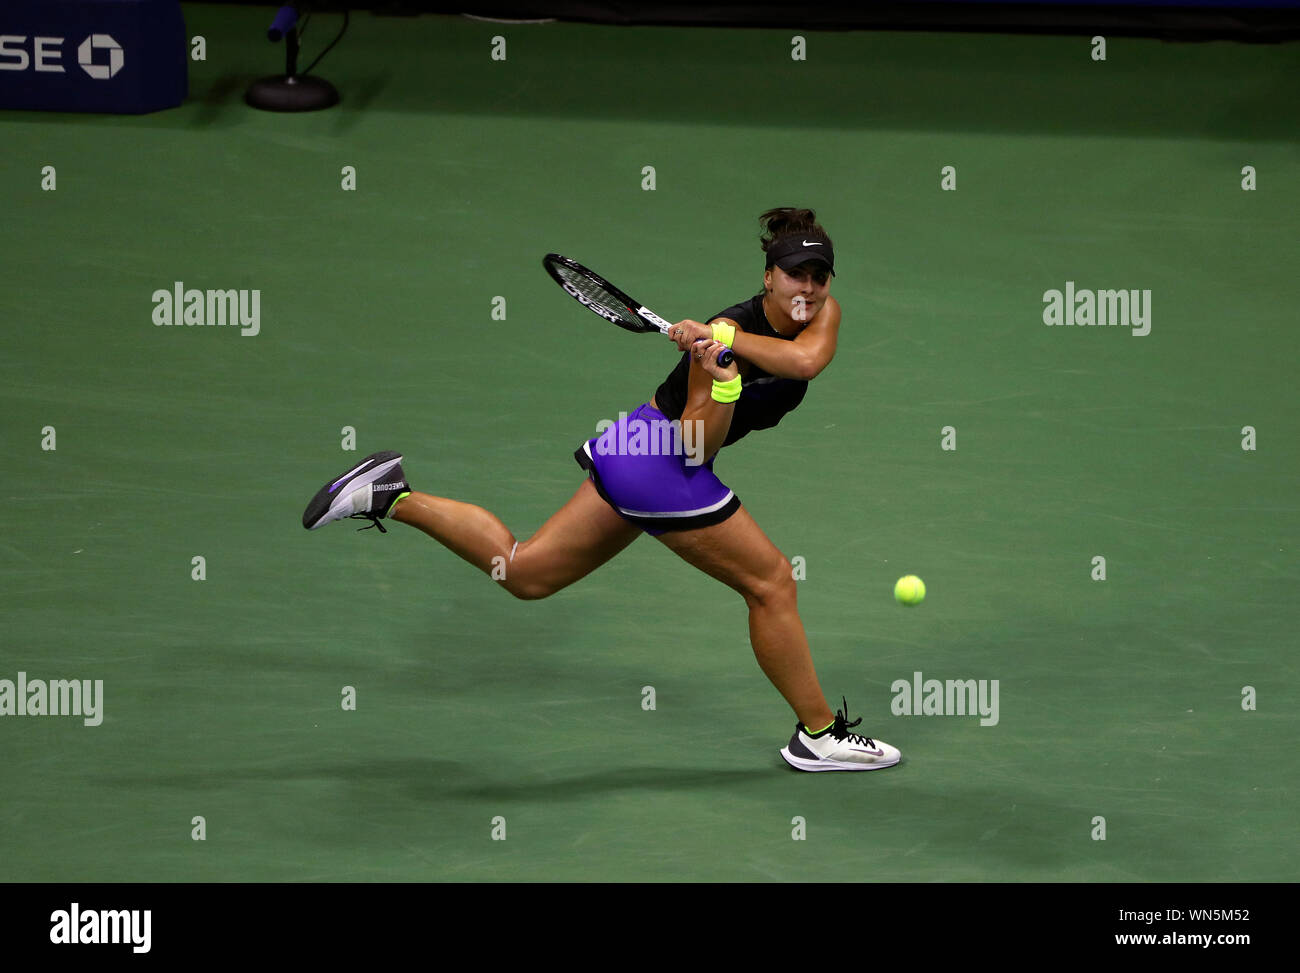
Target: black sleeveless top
x: 764, y: 398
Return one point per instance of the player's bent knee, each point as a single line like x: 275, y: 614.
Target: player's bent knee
x: 520, y: 576
x: 775, y: 586
x: 529, y: 590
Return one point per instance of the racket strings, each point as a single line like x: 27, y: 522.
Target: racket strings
x: 596, y: 293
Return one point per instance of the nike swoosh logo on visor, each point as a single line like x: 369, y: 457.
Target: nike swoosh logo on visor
x: 349, y: 473
x: 807, y: 244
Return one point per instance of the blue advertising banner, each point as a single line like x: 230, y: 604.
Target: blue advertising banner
x: 126, y: 56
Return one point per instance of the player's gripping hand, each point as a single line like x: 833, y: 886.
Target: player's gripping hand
x: 684, y: 334
x: 706, y: 353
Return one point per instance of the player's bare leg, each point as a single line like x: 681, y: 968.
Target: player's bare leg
x: 738, y: 553
x: 578, y: 538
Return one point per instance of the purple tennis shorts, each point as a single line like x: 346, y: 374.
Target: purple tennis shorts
x: 644, y: 468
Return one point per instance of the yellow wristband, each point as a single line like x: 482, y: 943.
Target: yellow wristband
x: 726, y: 333
x: 728, y: 391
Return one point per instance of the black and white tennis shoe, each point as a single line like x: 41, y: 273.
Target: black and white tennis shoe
x: 835, y: 748
x: 366, y: 492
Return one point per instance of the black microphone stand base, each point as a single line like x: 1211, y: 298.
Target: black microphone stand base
x: 289, y: 93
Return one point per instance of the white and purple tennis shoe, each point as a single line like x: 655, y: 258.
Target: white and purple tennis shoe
x: 366, y: 491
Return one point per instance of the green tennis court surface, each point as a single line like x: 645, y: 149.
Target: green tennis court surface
x: 1157, y: 705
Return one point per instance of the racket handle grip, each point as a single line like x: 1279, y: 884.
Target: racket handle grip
x: 725, y: 357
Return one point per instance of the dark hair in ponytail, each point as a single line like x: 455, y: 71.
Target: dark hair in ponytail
x: 788, y: 221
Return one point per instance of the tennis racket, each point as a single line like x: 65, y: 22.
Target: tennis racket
x: 601, y: 297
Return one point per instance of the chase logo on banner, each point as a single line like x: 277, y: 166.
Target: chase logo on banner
x: 130, y: 55
x: 86, y: 56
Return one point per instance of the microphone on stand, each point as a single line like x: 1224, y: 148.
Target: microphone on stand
x: 291, y: 91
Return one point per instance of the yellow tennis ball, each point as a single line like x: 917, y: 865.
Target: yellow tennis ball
x: 910, y: 590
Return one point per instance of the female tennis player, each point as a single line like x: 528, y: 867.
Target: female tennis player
x: 782, y: 338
